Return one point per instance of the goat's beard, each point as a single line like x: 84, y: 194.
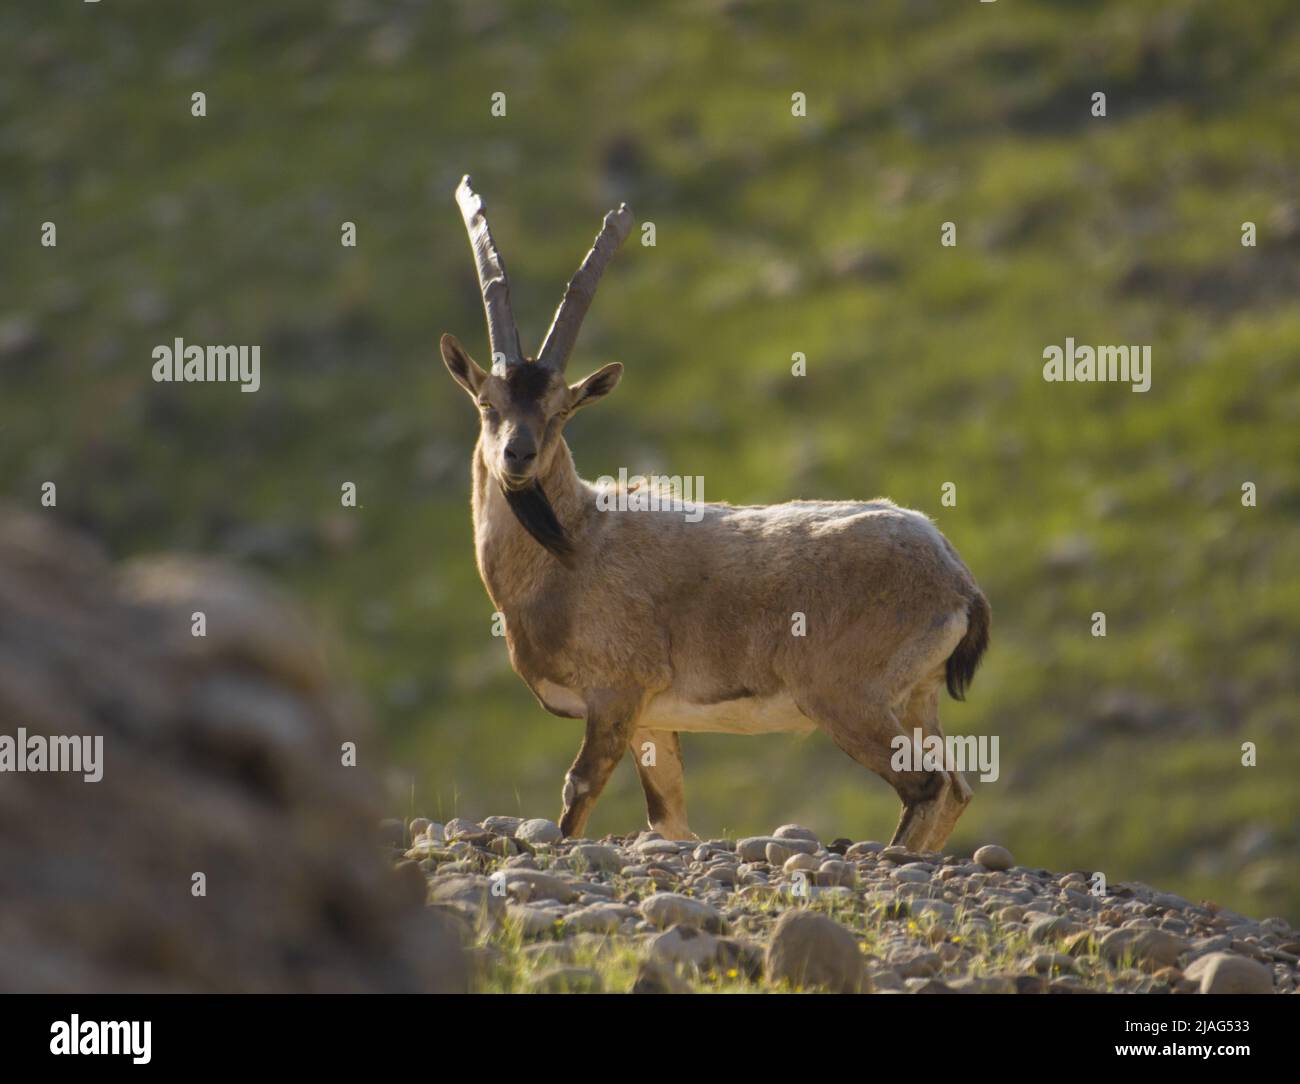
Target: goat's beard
x: 534, y: 512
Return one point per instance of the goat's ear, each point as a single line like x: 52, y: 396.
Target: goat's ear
x: 596, y: 386
x: 463, y: 368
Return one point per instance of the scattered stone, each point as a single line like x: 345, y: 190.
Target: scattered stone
x: 1170, y: 902
x: 425, y: 848
x: 796, y: 831
x: 652, y: 847
x: 754, y: 848
x: 533, y: 921
x: 684, y: 945
x: 531, y: 884
x: 597, y: 918
x: 1048, y: 927
x: 666, y: 909
x: 470, y: 888
x: 993, y: 857
x: 939, y: 910
x: 836, y: 872
x: 538, y: 830
x: 900, y: 855
x: 1224, y: 973
x: 1150, y: 949
x: 919, y: 965
x: 808, y: 949
x: 459, y: 826
x: 502, y: 826
x: 598, y: 857
x: 778, y: 854
x: 800, y: 862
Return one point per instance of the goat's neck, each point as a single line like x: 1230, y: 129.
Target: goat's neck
x: 513, y: 565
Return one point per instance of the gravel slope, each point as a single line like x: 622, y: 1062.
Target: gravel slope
x: 788, y: 911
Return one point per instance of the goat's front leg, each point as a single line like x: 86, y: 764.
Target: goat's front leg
x: 610, y: 721
x: 658, y: 758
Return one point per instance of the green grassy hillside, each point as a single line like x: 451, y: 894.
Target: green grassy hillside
x: 775, y: 234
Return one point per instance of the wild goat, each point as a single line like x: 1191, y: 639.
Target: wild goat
x: 646, y: 625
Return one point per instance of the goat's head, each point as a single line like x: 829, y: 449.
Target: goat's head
x: 524, y: 402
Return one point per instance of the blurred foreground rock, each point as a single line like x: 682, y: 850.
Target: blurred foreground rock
x: 221, y: 756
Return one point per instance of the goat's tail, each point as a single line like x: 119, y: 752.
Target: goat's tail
x: 965, y: 658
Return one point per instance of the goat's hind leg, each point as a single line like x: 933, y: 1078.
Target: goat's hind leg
x: 924, y: 810
x: 933, y: 799
x: 867, y: 730
x: 954, y: 794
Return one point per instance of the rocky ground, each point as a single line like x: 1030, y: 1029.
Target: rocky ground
x: 787, y: 911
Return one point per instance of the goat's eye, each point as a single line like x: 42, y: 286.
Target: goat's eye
x: 489, y: 411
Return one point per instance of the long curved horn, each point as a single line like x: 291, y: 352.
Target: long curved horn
x: 559, y: 341
x: 503, y: 335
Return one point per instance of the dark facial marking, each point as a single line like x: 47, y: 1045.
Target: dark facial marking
x: 535, y: 514
x: 527, y: 382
